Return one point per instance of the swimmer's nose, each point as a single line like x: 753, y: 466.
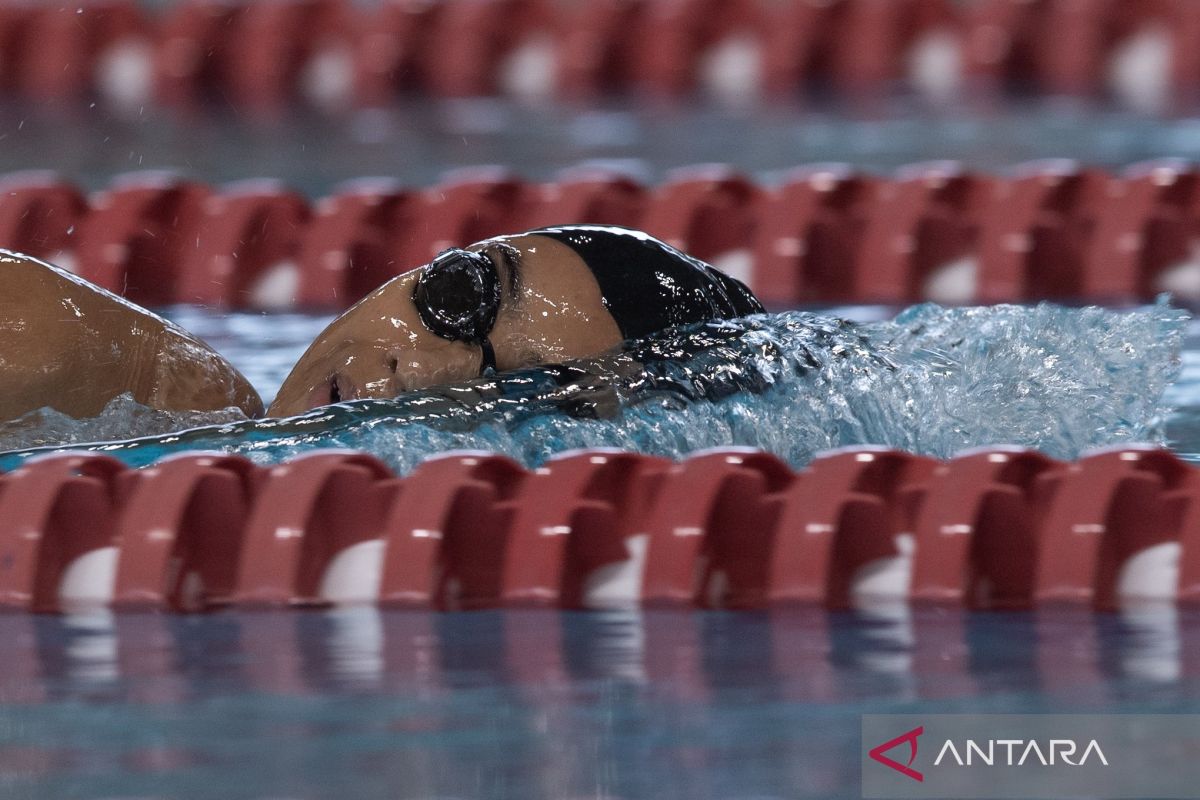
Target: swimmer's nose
x: 338, y: 389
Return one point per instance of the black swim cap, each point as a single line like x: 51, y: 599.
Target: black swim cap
x: 647, y: 285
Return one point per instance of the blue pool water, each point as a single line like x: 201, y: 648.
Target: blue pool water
x: 527, y: 704
x: 265, y: 347
x: 932, y: 380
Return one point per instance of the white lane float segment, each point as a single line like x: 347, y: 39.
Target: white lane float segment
x: 953, y: 283
x: 89, y: 581
x: 124, y: 74
x: 885, y: 579
x: 1139, y: 70
x: 66, y: 260
x: 529, y: 72
x: 276, y: 288
x: 327, y: 79
x: 730, y: 72
x: 1182, y: 279
x: 355, y: 574
x: 935, y: 66
x: 1152, y: 574
x: 737, y: 264
x: 619, y: 585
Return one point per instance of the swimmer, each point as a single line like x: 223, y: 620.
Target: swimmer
x: 541, y: 297
x: 68, y: 345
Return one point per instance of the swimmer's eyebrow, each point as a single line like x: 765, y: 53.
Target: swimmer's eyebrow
x: 513, y: 265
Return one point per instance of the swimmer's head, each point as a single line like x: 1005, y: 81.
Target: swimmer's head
x: 544, y: 296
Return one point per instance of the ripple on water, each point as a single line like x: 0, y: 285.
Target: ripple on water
x: 933, y: 380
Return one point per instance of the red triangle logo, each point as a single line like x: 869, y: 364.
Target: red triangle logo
x: 904, y: 769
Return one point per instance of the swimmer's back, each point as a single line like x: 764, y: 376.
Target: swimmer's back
x: 73, y: 347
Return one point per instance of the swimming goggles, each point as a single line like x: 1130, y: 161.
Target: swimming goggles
x: 458, y: 298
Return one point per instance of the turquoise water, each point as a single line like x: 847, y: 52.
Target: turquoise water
x: 932, y: 380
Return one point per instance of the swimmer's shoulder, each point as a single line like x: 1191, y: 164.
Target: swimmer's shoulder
x: 32, y: 283
x: 21, y: 274
x: 26, y: 273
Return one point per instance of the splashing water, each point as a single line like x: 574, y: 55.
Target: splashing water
x: 932, y: 381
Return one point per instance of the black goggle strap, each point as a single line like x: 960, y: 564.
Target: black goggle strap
x: 489, y: 357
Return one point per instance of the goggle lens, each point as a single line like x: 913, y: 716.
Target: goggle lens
x: 458, y: 296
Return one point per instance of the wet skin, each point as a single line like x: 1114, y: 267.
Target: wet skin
x: 551, y: 296
x: 551, y: 310
x: 73, y: 347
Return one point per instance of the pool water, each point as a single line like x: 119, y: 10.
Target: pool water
x: 524, y: 704
x: 933, y: 380
x: 264, y: 347
x: 538, y: 704
x: 1183, y: 425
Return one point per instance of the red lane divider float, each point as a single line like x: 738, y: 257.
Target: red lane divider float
x: 730, y: 528
x: 825, y: 234
x: 38, y: 215
x: 180, y: 531
x: 267, y: 56
x: 137, y: 236
x: 707, y: 535
x: 445, y: 533
x: 351, y: 244
x: 846, y: 511
x: 247, y: 252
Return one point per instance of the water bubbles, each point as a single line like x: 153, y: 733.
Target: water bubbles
x: 933, y: 381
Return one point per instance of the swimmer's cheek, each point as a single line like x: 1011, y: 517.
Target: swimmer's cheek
x: 374, y: 372
x: 420, y: 370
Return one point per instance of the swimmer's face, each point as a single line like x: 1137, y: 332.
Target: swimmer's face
x: 549, y: 310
